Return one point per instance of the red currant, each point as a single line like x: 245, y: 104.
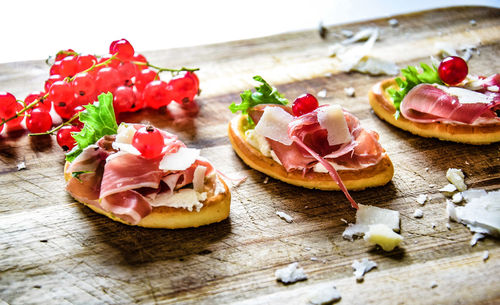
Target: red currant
x: 84, y: 84
x: 141, y: 59
x: 17, y: 121
x: 42, y: 103
x: 123, y: 48
x: 157, y: 94
x: 453, y: 70
x: 65, y: 137
x: 62, y: 95
x: 127, y: 71
x: 139, y: 101
x: 7, y: 105
x: 114, y: 62
x: 39, y: 120
x: 149, y: 142
x: 107, y: 79
x: 144, y: 77
x: 83, y: 62
x: 184, y: 87
x: 68, y: 66
x: 77, y: 121
x: 55, y: 68
x: 124, y: 99
x: 64, y: 53
x: 304, y: 104
x: 52, y: 79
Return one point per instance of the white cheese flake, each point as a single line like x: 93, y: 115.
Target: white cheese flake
x: 457, y: 198
x: 347, y: 33
x: 368, y: 215
x: 185, y: 198
x: 481, y: 214
x: 375, y: 66
x: 421, y: 199
x: 486, y: 255
x: 418, y: 213
x: 350, y: 91
x: 180, y: 160
x: 21, y: 166
x: 333, y: 120
x: 475, y: 238
x: 274, y: 125
x: 472, y: 22
x: 466, y: 96
x: 456, y: 176
x: 199, y: 178
x: 258, y: 141
x: 433, y: 284
x: 266, y: 180
x: 125, y: 133
x: 290, y: 274
x: 492, y: 88
x: 393, y: 22
x: 448, y: 189
x: 325, y: 296
x: 362, y: 35
x: 285, y: 216
x: 126, y: 148
x: 360, y: 268
x: 322, y: 93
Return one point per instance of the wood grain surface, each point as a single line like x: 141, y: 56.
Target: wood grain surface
x: 55, y: 251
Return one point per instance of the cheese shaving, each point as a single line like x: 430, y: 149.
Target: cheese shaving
x: 290, y: 274
x: 274, y: 125
x: 333, y: 120
x: 181, y: 160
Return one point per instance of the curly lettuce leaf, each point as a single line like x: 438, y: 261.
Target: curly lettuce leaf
x: 412, y: 77
x: 264, y: 94
x: 99, y: 119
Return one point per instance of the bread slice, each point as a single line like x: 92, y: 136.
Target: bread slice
x: 463, y: 133
x: 375, y: 175
x: 215, y: 209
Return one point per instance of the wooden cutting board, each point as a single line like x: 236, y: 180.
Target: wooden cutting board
x: 55, y: 251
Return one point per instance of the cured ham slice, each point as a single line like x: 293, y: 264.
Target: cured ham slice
x: 128, y: 205
x: 426, y: 104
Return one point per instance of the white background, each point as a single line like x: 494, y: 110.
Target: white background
x: 36, y: 29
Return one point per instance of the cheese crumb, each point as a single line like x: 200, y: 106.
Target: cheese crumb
x: 486, y: 255
x: 456, y: 198
x: 393, y: 22
x: 360, y: 268
x: 418, y: 213
x: 421, y: 199
x: 475, y: 238
x: 285, y: 216
x: 383, y: 236
x: 368, y: 215
x: 266, y: 180
x: 347, y: 33
x: 456, y: 176
x: 448, y: 189
x: 492, y: 88
x: 325, y: 296
x: 349, y: 91
x: 21, y: 166
x: 290, y: 274
x: 322, y: 93
x: 434, y: 284
x: 472, y: 22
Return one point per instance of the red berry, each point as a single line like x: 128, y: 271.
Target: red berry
x: 107, y: 80
x: 139, y: 101
x: 84, y: 85
x: 139, y: 58
x: 122, y: 48
x: 64, y: 53
x: 114, y: 62
x: 68, y: 66
x: 77, y: 121
x: 52, y: 79
x: 124, y: 99
x: 149, y: 142
x: 42, y: 103
x: 39, y: 120
x: 65, y: 137
x: 144, y: 77
x: 304, y: 104
x: 17, y: 121
x: 453, y: 70
x: 83, y: 62
x: 127, y: 71
x: 157, y: 94
x: 184, y: 87
x: 8, y: 104
x: 62, y: 95
x: 55, y: 68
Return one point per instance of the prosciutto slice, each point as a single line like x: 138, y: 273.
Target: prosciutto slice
x: 426, y: 104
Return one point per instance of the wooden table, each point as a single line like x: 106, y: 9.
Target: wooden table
x: 55, y: 251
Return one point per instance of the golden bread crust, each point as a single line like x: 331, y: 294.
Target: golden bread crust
x: 462, y: 133
x: 376, y: 175
x: 215, y: 209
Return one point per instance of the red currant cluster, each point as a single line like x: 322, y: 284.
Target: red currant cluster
x: 77, y: 79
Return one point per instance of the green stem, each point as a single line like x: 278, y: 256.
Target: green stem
x: 160, y: 69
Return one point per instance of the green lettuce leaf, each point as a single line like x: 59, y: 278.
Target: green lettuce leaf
x: 99, y: 120
x: 264, y: 94
x: 412, y: 77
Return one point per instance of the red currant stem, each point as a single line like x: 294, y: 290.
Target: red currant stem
x: 33, y: 104
x: 160, y: 69
x: 60, y: 52
x: 68, y: 122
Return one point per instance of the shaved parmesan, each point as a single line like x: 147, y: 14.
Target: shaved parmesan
x: 258, y: 141
x: 274, y: 125
x: 375, y: 66
x: 383, y: 236
x: 362, y: 35
x: 481, y: 213
x: 125, y: 133
x: 290, y: 274
x: 325, y: 296
x: 333, y: 120
x: 199, y: 178
x: 123, y: 147
x: 368, y: 215
x: 180, y: 160
x: 466, y: 96
x: 184, y: 198
x: 360, y: 268
x: 456, y: 176
x: 284, y: 216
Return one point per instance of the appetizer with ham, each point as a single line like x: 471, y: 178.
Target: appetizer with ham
x: 139, y: 175
x: 445, y: 103
x: 322, y: 147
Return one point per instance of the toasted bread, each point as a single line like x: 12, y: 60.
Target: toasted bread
x: 215, y: 209
x: 456, y: 132
x: 375, y: 175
